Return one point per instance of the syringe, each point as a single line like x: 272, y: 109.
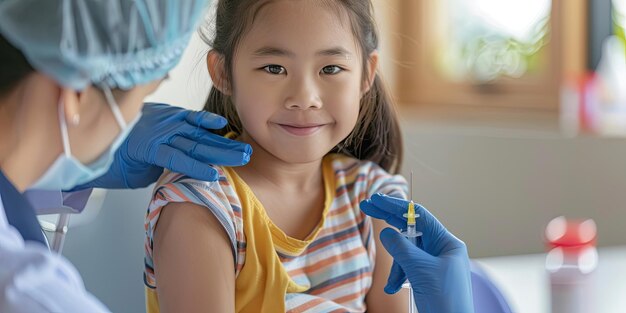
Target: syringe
x: 411, y: 234
x: 410, y: 215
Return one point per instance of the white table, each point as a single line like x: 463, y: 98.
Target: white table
x: 524, y: 282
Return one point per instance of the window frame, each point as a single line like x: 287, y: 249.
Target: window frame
x: 417, y: 83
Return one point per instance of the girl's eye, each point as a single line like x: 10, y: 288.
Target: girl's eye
x: 275, y: 69
x: 331, y: 69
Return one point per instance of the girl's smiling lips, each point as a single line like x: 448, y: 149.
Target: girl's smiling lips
x: 301, y: 129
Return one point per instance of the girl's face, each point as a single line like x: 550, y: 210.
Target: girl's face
x: 297, y: 79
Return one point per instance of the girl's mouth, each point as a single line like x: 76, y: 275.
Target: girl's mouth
x: 301, y: 130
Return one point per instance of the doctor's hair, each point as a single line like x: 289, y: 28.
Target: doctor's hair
x: 14, y: 66
x: 376, y: 136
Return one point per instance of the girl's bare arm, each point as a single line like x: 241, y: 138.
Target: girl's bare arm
x: 377, y: 300
x: 193, y: 261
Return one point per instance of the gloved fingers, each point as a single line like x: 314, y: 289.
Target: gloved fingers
x: 396, y: 278
x: 177, y: 161
x: 404, y: 252
x: 372, y: 210
x: 426, y: 222
x: 208, y: 138
x: 206, y: 120
x: 217, y: 140
x: 392, y: 205
x: 210, y: 154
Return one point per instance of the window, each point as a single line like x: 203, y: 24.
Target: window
x: 502, y: 53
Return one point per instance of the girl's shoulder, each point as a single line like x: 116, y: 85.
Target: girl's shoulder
x: 169, y: 178
x: 218, y: 197
x: 175, y: 187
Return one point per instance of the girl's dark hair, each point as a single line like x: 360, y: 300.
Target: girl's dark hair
x: 376, y: 137
x: 14, y: 66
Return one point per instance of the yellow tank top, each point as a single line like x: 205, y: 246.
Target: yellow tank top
x: 263, y: 269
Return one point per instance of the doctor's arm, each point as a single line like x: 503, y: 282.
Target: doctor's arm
x: 193, y: 261
x: 34, y: 280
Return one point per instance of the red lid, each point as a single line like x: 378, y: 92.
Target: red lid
x: 561, y: 232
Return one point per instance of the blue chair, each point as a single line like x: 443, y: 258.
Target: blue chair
x: 487, y: 297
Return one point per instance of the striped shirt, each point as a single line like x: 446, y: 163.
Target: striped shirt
x: 329, y: 271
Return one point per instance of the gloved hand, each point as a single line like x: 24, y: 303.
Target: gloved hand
x: 173, y: 138
x: 438, y: 267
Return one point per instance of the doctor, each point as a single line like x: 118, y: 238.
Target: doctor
x: 73, y: 76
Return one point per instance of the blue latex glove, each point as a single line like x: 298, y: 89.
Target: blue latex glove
x: 439, y: 268
x: 173, y: 138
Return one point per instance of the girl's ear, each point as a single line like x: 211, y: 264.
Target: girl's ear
x: 372, y: 64
x: 217, y: 70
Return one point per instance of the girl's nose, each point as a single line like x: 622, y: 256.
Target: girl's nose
x: 304, y: 94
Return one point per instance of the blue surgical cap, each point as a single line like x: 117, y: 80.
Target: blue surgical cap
x: 112, y: 43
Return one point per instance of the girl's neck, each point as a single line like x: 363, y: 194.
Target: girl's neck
x: 292, y: 194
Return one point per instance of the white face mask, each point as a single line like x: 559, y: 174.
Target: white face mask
x: 68, y: 172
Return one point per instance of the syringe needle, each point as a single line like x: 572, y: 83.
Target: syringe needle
x: 411, y: 187
x: 411, y: 234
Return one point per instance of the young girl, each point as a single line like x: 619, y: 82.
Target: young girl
x: 297, y: 81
